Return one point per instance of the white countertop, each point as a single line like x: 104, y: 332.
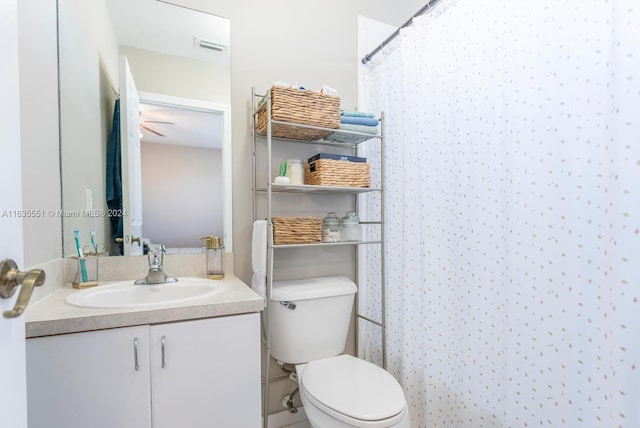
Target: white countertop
x: 52, y: 315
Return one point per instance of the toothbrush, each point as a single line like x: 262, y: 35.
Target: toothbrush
x: 93, y: 241
x: 83, y: 264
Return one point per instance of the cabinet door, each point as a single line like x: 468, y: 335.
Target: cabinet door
x: 211, y: 373
x: 89, y: 380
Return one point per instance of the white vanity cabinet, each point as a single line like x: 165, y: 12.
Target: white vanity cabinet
x: 89, y: 379
x: 200, y: 373
x: 211, y: 374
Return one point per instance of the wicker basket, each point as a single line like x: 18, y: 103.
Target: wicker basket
x: 302, y: 107
x: 297, y: 230
x: 330, y: 172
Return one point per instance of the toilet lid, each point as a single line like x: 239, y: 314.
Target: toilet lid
x: 353, y: 387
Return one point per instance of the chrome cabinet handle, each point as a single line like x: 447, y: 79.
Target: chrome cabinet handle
x: 11, y: 278
x: 135, y: 354
x: 162, y: 345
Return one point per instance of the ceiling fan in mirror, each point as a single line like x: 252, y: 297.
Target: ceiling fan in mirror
x: 143, y: 125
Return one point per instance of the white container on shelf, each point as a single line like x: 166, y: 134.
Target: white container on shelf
x: 350, y: 227
x: 295, y: 171
x: 331, y: 228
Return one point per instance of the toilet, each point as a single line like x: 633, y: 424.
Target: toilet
x: 309, y: 321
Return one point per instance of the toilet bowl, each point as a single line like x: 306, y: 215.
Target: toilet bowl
x: 309, y: 322
x: 344, y: 391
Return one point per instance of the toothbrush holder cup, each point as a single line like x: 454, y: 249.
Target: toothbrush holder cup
x: 87, y: 272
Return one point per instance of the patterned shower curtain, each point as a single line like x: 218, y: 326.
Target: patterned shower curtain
x: 512, y: 214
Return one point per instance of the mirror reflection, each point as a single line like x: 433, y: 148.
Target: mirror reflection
x: 173, y: 150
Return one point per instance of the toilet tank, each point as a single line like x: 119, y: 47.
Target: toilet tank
x: 309, y: 318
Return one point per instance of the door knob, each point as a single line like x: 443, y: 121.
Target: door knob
x: 11, y: 278
x: 129, y: 240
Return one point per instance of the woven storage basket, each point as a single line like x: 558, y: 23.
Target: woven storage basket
x: 330, y: 172
x: 302, y: 107
x: 297, y: 230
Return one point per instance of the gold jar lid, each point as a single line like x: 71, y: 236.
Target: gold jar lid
x: 212, y: 241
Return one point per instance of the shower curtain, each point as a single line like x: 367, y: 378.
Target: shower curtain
x: 512, y: 194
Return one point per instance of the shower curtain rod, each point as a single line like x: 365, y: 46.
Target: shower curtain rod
x: 426, y: 8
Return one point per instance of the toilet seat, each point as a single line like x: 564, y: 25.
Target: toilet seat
x: 353, y: 391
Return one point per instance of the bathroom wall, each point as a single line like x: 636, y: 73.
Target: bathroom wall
x: 89, y: 72
x: 39, y: 129
x: 179, y: 77
x: 177, y: 173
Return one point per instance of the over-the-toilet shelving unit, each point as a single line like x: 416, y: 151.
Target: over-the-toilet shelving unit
x: 269, y: 189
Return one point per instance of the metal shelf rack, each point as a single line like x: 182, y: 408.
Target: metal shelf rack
x: 269, y: 189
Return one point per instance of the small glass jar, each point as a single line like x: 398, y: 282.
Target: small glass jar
x: 350, y: 227
x: 295, y: 171
x: 331, y: 228
x: 214, y: 251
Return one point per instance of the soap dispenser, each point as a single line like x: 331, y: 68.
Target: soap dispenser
x: 215, y: 256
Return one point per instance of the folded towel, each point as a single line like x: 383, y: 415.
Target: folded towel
x: 356, y: 113
x: 346, y: 138
x: 359, y: 128
x: 369, y: 121
x: 337, y: 137
x: 259, y: 258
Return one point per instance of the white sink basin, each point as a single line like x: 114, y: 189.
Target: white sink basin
x: 125, y: 294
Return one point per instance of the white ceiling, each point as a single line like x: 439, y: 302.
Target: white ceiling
x: 158, y: 26
x: 187, y: 128
x: 166, y: 28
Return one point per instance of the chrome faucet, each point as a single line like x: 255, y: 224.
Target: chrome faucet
x: 155, y: 274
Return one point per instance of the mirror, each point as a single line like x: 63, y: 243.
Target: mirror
x: 179, y: 59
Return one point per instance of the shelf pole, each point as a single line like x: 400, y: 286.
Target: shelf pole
x: 383, y: 292
x: 357, y: 254
x: 269, y: 284
x: 254, y: 182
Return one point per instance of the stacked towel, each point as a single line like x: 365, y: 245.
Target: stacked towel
x: 356, y: 121
x: 259, y: 257
x: 367, y: 129
x: 356, y: 114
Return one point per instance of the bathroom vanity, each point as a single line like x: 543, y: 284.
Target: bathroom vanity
x: 196, y: 364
